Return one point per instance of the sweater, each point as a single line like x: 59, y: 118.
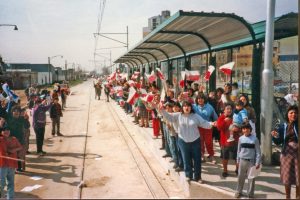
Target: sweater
x: 187, y: 125
x: 249, y: 148
x: 39, y: 115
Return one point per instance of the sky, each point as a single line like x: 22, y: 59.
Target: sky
x: 48, y: 28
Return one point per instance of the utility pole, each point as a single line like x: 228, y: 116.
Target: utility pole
x: 298, y: 195
x: 267, y: 85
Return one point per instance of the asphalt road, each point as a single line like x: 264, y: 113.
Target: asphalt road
x: 96, y: 152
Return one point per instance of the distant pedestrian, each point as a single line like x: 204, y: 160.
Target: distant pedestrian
x: 107, y: 91
x: 55, y: 115
x: 287, y: 135
x: 248, y: 155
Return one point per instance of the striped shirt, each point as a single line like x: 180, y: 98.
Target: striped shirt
x: 249, y: 148
x: 187, y: 125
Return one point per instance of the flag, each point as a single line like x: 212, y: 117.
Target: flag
x: 151, y: 77
x: 132, y: 96
x: 160, y: 74
x: 192, y: 75
x: 131, y: 83
x: 181, y: 83
x: 112, y: 76
x: 148, y: 98
x: 210, y: 70
x: 227, y: 68
x: 10, y: 93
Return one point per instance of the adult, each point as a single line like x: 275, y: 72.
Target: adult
x: 207, y: 112
x: 39, y: 123
x: 287, y: 135
x: 189, y: 138
x: 225, y: 126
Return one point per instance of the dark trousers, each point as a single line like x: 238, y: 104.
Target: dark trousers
x: 40, y: 134
x: 55, y: 123
x: 162, y: 132
x: 191, y: 153
x: 107, y: 97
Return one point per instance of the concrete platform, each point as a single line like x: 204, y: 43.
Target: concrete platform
x: 268, y: 184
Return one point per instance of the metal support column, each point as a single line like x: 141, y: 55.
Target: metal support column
x: 213, y: 78
x: 267, y: 84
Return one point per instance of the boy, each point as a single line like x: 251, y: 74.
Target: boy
x: 248, y: 155
x: 55, y: 114
x: 8, y: 166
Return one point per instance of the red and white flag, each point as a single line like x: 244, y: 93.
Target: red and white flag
x: 151, y: 77
x: 131, y: 83
x: 227, y: 68
x: 181, y: 83
x: 210, y: 70
x: 112, y: 76
x: 132, y: 96
x: 160, y: 74
x: 192, y: 75
x: 148, y: 98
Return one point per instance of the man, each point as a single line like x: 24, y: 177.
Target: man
x: 55, y: 114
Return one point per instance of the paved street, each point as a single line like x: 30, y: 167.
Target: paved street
x: 114, y: 167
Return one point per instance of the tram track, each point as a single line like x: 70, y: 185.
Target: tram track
x: 153, y: 183
x: 81, y: 183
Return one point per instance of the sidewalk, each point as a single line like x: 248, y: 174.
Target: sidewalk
x: 267, y: 185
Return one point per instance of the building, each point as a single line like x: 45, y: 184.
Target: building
x: 155, y: 21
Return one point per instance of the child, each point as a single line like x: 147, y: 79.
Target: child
x: 8, y: 166
x: 55, y: 114
x: 240, y: 116
x: 248, y: 155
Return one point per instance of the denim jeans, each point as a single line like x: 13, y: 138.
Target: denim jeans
x: 9, y: 175
x: 191, y: 153
x: 179, y: 156
x: 173, y: 148
x: 167, y: 138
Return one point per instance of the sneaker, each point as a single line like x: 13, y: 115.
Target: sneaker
x: 175, y: 166
x: 224, y: 174
x: 237, y: 195
x: 199, y: 180
x: 166, y: 155
x: 59, y: 134
x: 178, y: 169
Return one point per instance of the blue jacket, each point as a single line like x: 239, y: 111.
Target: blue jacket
x: 207, y: 112
x: 281, y: 139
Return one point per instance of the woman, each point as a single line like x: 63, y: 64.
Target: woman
x: 207, y: 112
x: 251, y: 112
x: 189, y: 138
x: 225, y: 126
x: 287, y: 135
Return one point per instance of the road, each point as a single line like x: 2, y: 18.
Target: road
x: 97, y: 152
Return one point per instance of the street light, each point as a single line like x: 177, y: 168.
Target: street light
x: 49, y: 59
x: 15, y: 26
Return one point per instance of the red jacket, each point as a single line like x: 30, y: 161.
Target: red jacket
x: 223, y: 127
x: 3, y: 151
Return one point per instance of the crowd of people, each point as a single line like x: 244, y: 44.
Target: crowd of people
x: 15, y: 129
x: 189, y: 119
